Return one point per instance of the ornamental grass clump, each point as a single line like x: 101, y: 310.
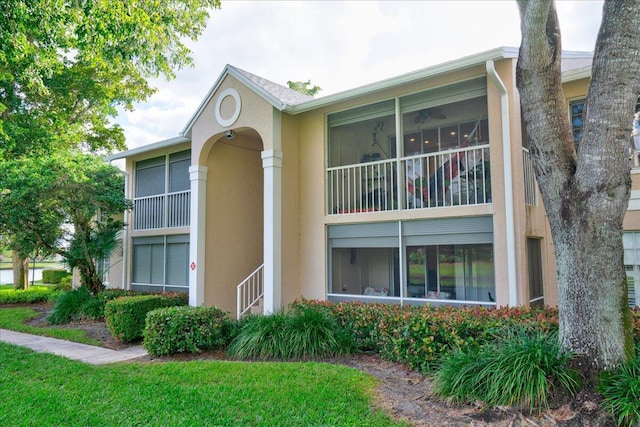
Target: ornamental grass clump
x: 68, y: 306
x: 620, y: 389
x: 301, y: 334
x: 522, y: 370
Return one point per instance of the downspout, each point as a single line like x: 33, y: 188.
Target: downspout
x: 508, y: 183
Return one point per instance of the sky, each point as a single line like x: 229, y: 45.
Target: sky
x: 338, y: 45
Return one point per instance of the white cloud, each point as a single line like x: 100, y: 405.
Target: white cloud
x: 339, y: 45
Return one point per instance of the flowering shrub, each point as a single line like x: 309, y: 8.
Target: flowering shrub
x: 420, y: 336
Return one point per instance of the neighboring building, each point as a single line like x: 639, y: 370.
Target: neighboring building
x: 411, y: 190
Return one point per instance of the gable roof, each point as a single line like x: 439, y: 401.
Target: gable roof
x: 576, y: 65
x: 277, y: 95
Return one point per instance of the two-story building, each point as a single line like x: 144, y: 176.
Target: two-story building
x: 417, y: 189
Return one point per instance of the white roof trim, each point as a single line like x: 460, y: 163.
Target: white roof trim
x: 232, y: 71
x: 577, y: 74
x: 149, y: 147
x: 446, y: 67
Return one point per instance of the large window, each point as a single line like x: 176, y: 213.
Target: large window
x: 160, y: 263
x: 452, y: 272
x: 162, y: 192
x: 443, y: 151
x: 445, y: 259
x: 536, y: 285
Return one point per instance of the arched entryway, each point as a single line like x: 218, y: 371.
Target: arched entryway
x: 233, y: 244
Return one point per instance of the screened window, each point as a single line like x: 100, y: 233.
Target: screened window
x: 150, y: 177
x: 444, y: 259
x: 179, y: 171
x: 162, y: 192
x: 536, y: 288
x: 362, y: 134
x: 631, y: 243
x: 576, y: 109
x: 102, y: 267
x: 160, y: 263
x: 451, y: 272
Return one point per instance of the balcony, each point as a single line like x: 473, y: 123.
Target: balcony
x: 447, y: 178
x: 162, y: 211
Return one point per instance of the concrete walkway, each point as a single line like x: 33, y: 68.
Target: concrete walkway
x: 72, y: 350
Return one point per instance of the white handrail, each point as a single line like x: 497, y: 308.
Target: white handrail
x: 249, y: 291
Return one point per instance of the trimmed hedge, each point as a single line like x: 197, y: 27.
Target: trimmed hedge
x: 54, y: 276
x: 186, y: 329
x: 125, y: 316
x: 31, y: 295
x: 420, y: 336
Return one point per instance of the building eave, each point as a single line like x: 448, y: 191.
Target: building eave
x: 576, y: 74
x: 147, y: 148
x: 446, y: 67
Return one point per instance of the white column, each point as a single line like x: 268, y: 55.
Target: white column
x: 272, y: 167
x: 198, y: 176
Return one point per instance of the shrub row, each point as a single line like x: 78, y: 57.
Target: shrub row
x: 54, y: 276
x: 125, y: 317
x: 186, y: 329
x: 81, y: 304
x: 30, y: 295
x: 419, y: 336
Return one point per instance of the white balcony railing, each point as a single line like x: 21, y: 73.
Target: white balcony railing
x: 162, y: 211
x: 365, y: 187
x: 454, y: 177
x: 449, y: 178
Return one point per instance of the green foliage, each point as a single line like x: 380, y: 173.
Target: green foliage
x: 54, y: 276
x: 81, y: 304
x: 27, y: 296
x: 303, y: 87
x: 67, y: 67
x: 125, y: 316
x: 94, y: 307
x: 620, y: 389
x: 522, y: 369
x: 69, y: 306
x: 420, y: 336
x: 78, y: 198
x: 303, y: 333
x: 47, y: 390
x: 186, y: 330
x: 64, y: 285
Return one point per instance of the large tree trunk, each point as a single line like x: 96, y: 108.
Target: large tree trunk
x: 20, y: 271
x: 585, y: 193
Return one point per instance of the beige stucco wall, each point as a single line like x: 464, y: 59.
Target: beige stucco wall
x: 256, y: 114
x: 291, y: 142
x: 127, y: 256
x: 313, y: 220
x: 234, y: 212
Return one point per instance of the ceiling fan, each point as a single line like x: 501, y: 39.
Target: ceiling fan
x: 429, y: 113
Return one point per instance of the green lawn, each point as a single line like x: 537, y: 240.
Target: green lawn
x: 47, y: 390
x: 13, y: 318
